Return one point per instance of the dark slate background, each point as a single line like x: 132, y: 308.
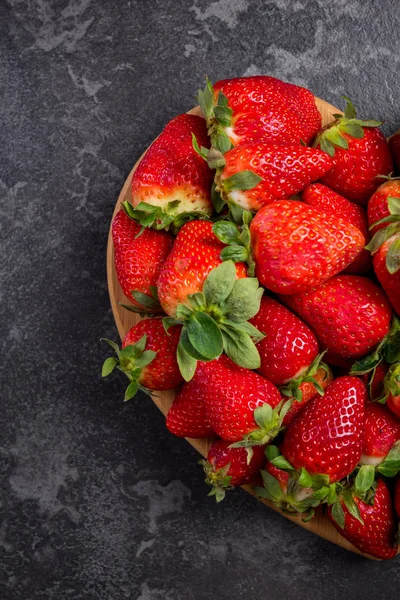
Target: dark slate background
x: 99, y: 502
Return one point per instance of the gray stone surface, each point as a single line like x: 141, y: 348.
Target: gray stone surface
x: 98, y: 501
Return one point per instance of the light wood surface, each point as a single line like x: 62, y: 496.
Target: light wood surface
x: 124, y: 320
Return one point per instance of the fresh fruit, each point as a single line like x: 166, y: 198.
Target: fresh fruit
x: 378, y: 204
x: 312, y: 383
x: 394, y: 145
x: 387, y: 266
x: 374, y: 531
x: 325, y: 199
x: 187, y: 416
x: 258, y: 109
x: 381, y: 431
x: 326, y: 437
x: 254, y: 175
x: 397, y: 497
x: 148, y: 357
x: 289, y: 346
x: 392, y: 389
x: 196, y: 252
x: 349, y: 314
x: 138, y: 260
x: 233, y: 401
x: 297, y: 247
x: 172, y: 178
x: 228, y: 467
x: 359, y: 152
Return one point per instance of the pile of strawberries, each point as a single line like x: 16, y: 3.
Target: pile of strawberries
x: 271, y: 300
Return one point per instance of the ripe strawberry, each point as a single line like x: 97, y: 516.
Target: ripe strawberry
x: 392, y: 388
x: 375, y: 380
x: 138, y: 260
x: 378, y: 204
x: 172, y: 178
x: 375, y: 533
x: 306, y: 388
x: 296, y: 246
x: 289, y: 346
x: 233, y: 395
x: 394, y: 145
x: 148, y: 357
x: 228, y: 467
x: 187, y: 416
x: 326, y: 437
x: 255, y: 175
x: 381, y: 431
x: 280, y: 102
x: 397, y: 497
x: 359, y: 151
x: 387, y: 267
x: 195, y: 254
x: 325, y: 199
x: 349, y: 314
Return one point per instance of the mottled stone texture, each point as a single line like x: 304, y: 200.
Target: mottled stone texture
x: 99, y: 502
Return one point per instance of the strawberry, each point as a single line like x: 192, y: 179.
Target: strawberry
x: 255, y: 175
x: 326, y: 437
x: 373, y: 529
x: 171, y: 178
x: 228, y: 467
x: 296, y: 246
x: 375, y: 380
x: 213, y: 300
x: 148, y: 357
x: 138, y: 261
x: 381, y: 431
x: 359, y: 152
x: 349, y: 314
x: 392, y: 388
x: 326, y: 200
x: 397, y: 497
x: 314, y: 382
x: 387, y: 265
x: 187, y: 416
x: 240, y: 402
x: 286, y: 113
x: 289, y: 346
x: 394, y: 145
x: 378, y: 204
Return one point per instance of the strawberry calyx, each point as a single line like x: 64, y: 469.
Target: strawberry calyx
x: 130, y: 360
x: 390, y: 467
x: 216, y: 321
x: 331, y: 136
x: 292, y: 389
x: 149, y: 304
x: 389, y: 351
x: 168, y: 218
x: 361, y: 485
x: 218, y: 479
x: 237, y: 240
x: 390, y: 232
x: 218, y: 115
x: 269, y: 421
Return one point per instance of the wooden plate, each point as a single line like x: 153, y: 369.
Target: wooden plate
x: 125, y: 320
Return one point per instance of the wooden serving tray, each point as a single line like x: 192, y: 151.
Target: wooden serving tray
x: 125, y: 319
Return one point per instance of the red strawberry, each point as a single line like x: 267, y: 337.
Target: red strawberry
x: 375, y: 380
x: 171, y: 177
x: 195, y: 253
x: 381, y: 431
x: 278, y: 125
x: 289, y: 346
x: 310, y: 386
x: 378, y: 207
x: 228, y: 467
x: 138, y: 260
x: 187, y: 416
x: 375, y: 534
x: 233, y: 394
x: 326, y: 437
x: 397, y: 496
x: 394, y: 145
x: 265, y: 95
x: 387, y: 267
x: 360, y: 152
x: 148, y: 357
x: 349, y: 314
x: 325, y: 199
x: 296, y: 246
x: 392, y: 388
x: 255, y: 175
